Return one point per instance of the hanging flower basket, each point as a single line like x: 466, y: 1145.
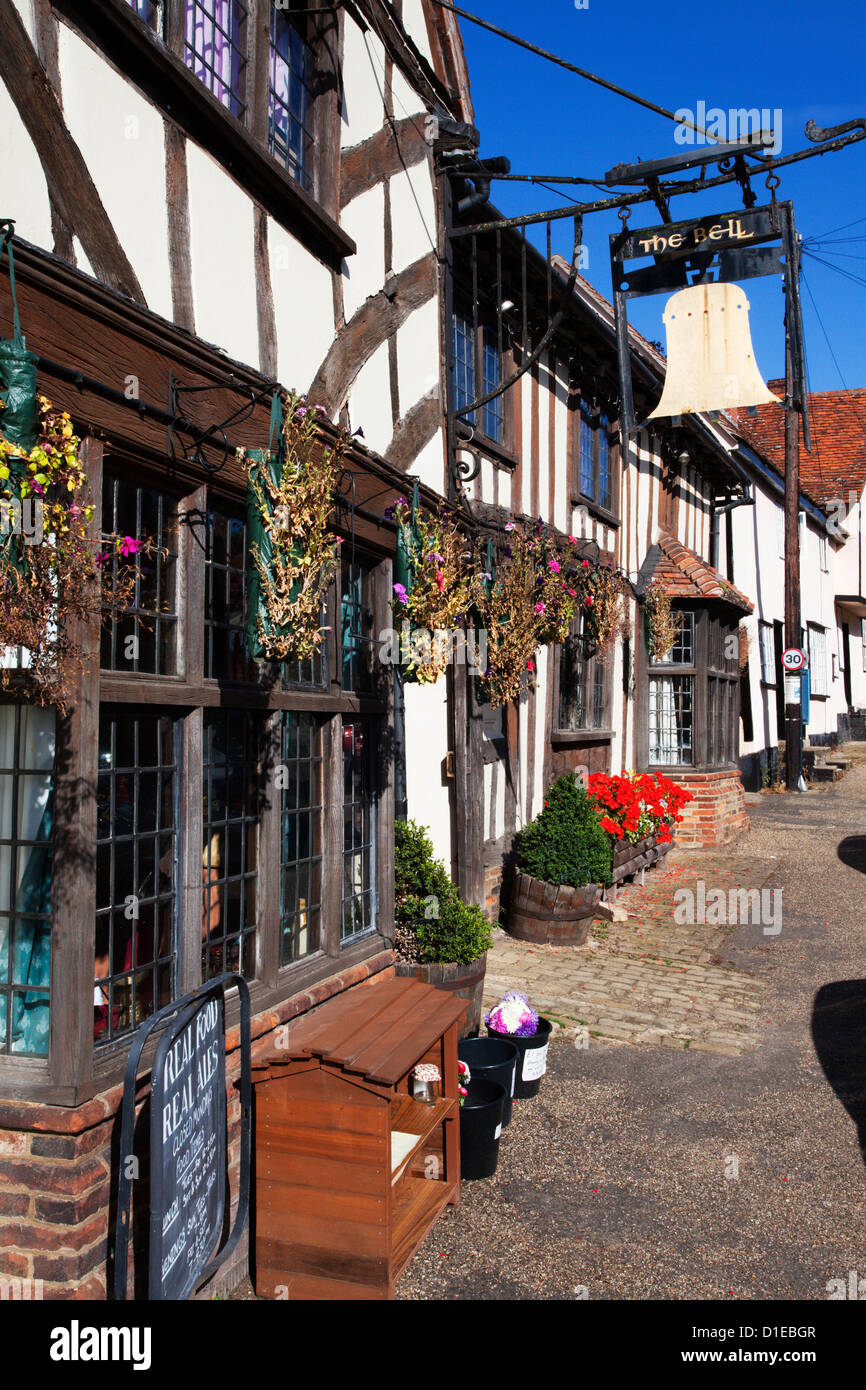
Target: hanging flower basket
x: 293, y: 551
x: 53, y: 573
x: 433, y: 589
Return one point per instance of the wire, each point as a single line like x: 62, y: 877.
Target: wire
x: 840, y: 270
x: 571, y: 67
x: 844, y: 227
x: 845, y: 385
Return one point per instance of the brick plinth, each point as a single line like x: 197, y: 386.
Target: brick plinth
x: 59, y: 1169
x: 493, y: 876
x: 717, y: 815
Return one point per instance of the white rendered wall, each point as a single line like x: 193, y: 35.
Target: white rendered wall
x: 426, y: 746
x: 121, y: 136
x: 223, y: 275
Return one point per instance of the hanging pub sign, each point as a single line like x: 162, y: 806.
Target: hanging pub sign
x: 711, y: 362
x: 187, y: 1103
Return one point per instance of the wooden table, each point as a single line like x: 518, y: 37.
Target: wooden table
x: 341, y: 1204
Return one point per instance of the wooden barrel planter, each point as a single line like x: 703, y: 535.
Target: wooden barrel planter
x: 465, y: 981
x: 551, y: 914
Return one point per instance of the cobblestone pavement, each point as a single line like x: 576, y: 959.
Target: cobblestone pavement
x: 650, y: 980
x: 666, y: 1172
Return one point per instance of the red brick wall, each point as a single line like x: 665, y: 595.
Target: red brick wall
x: 493, y: 893
x: 718, y: 813
x: 59, y: 1168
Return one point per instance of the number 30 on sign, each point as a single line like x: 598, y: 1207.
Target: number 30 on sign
x: 794, y: 659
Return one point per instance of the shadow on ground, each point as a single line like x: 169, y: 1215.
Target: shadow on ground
x: 852, y: 851
x: 839, y: 1036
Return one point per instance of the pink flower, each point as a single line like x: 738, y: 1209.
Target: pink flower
x: 573, y: 540
x: 589, y: 601
x: 585, y: 565
x: 510, y: 526
x: 553, y: 565
x: 127, y: 546
x: 539, y: 608
x: 530, y: 665
x: 440, y: 579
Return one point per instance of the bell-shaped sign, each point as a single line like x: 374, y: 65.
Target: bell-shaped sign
x: 711, y: 362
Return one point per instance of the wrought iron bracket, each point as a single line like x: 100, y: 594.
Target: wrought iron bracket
x: 209, y: 436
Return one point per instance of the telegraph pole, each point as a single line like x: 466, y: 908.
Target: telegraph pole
x: 793, y: 708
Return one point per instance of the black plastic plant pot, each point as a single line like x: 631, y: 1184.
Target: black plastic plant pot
x: 492, y: 1059
x: 480, y: 1128
x: 531, y: 1058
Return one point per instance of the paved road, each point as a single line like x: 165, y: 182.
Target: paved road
x: 613, y: 1180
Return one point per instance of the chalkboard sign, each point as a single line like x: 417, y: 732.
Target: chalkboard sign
x: 187, y: 1148
x: 187, y: 1196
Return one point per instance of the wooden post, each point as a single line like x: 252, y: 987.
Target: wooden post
x: 793, y: 721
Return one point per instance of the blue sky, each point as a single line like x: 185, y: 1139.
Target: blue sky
x: 802, y: 59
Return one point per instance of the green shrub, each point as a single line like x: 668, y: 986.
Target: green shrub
x: 565, y: 842
x: 432, y: 924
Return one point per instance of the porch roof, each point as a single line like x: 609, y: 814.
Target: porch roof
x: 685, y: 575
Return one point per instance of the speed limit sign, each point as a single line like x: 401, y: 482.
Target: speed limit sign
x: 794, y: 659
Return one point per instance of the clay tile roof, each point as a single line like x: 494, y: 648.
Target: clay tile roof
x: 686, y: 575
x: 837, y: 462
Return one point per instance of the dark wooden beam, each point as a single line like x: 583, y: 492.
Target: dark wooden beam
x: 46, y: 47
x: 177, y: 203
x: 265, y: 314
x: 394, y: 149
x: 415, y: 429
x: 70, y: 186
x: 374, y: 322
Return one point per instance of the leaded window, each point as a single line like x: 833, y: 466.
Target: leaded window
x: 27, y: 749
x: 817, y: 659
x: 464, y: 365
x: 583, y: 695
x: 230, y: 825
x: 215, y: 49
x: 595, y: 475
x: 692, y: 715
x: 225, y: 614
x: 136, y: 868
x: 300, y: 836
x: 290, y: 98
x: 144, y: 638
x: 359, y: 828
x: 767, y: 639
x: 477, y: 370
x: 357, y: 628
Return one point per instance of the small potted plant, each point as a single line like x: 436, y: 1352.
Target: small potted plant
x: 438, y: 938
x: 563, y: 862
x: 515, y: 1019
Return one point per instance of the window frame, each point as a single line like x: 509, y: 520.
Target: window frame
x: 76, y: 1067
x: 767, y: 628
x: 816, y: 637
x: 592, y: 663
x: 603, y: 427
x: 706, y: 673
x: 502, y: 449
